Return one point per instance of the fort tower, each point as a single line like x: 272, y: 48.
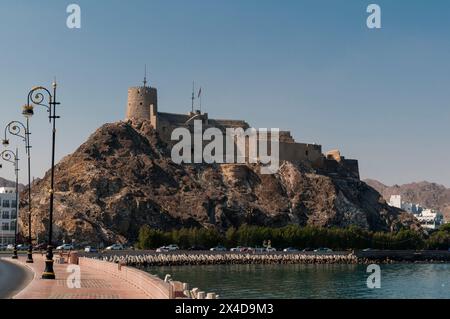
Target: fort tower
x: 142, y: 104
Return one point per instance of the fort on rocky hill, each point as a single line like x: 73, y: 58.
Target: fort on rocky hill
x: 143, y: 106
x: 123, y: 177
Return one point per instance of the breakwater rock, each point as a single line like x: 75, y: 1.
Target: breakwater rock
x: 229, y: 258
x: 391, y: 256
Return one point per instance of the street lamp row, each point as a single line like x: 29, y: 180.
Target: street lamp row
x: 36, y: 97
x: 11, y: 157
x: 22, y: 131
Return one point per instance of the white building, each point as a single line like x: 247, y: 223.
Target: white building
x: 428, y: 218
x: 8, y: 215
x: 396, y: 201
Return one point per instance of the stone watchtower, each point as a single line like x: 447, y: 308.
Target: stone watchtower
x: 143, y: 104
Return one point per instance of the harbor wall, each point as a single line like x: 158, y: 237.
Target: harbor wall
x: 183, y: 259
x: 405, y: 255
x: 154, y: 287
x: 142, y: 259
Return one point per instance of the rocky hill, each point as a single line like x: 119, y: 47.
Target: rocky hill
x: 123, y: 178
x: 430, y: 195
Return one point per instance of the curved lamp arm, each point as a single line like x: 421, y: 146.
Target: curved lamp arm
x: 9, y: 156
x: 15, y: 128
x: 37, y: 96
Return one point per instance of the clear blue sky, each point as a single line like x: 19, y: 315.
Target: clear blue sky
x: 313, y: 67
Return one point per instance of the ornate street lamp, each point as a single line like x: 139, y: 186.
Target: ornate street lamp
x: 37, y: 97
x: 10, y: 156
x: 18, y: 129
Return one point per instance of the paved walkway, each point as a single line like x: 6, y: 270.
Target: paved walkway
x: 95, y: 284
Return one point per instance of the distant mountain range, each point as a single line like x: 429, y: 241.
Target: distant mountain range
x: 6, y: 183
x: 430, y: 195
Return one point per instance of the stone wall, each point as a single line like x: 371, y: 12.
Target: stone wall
x: 352, y: 166
x: 344, y: 167
x: 301, y: 152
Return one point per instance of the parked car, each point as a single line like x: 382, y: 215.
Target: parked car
x: 323, y: 250
x: 163, y: 249
x: 271, y: 249
x: 173, y: 247
x: 307, y: 249
x: 10, y: 247
x: 218, y: 248
x: 2, y: 246
x: 368, y: 249
x: 115, y: 247
x: 90, y: 249
x: 290, y: 250
x: 41, y: 246
x: 23, y: 247
x: 65, y: 247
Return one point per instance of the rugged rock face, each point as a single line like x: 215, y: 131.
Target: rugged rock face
x: 430, y: 195
x: 123, y: 178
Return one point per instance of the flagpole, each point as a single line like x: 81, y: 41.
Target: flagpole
x: 193, y: 95
x: 199, y: 96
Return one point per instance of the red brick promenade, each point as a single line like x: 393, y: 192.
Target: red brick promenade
x: 95, y: 284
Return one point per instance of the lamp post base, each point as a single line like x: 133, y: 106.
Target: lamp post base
x: 30, y: 257
x: 14, y: 256
x: 49, y: 273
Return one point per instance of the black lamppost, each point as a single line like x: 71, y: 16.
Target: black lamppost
x: 17, y: 128
x: 13, y: 158
x: 37, y: 96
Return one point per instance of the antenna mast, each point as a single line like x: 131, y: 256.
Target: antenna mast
x: 145, y: 76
